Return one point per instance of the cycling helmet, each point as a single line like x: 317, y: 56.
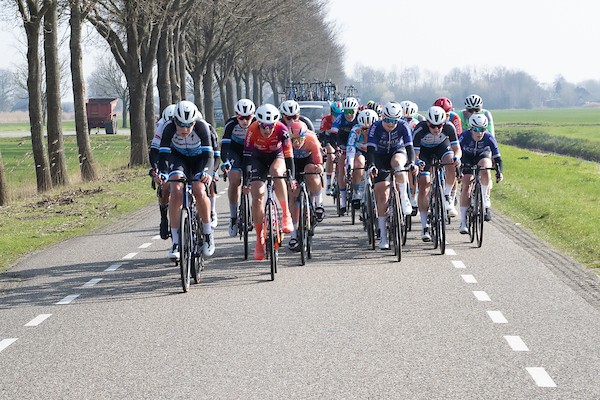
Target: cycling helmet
x: 391, y: 110
x: 350, y: 103
x: 297, y: 129
x: 168, y: 112
x: 362, y: 107
x: 409, y: 108
x: 244, y: 107
x: 478, y: 121
x: 289, y: 108
x: 366, y: 118
x: 371, y: 105
x: 473, y: 101
x: 336, y: 108
x: 436, y: 115
x: 445, y: 103
x: 267, y: 114
x: 186, y: 112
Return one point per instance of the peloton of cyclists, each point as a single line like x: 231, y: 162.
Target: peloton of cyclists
x: 389, y: 147
x: 478, y: 148
x: 267, y: 151
x: 356, y: 151
x: 328, y: 141
x: 290, y: 112
x: 474, y: 105
x: 186, y: 147
x: 232, y: 154
x: 435, y: 137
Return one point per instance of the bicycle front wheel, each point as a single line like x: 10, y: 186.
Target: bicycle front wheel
x: 197, y: 259
x: 271, y: 238
x: 440, y: 220
x: 397, y: 225
x: 185, y: 249
x: 245, y: 225
x: 370, y: 205
x: 301, y: 233
x: 479, y: 210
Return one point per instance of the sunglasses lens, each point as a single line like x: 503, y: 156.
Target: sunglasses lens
x: 390, y: 120
x: 267, y: 126
x: 244, y: 117
x: 348, y: 112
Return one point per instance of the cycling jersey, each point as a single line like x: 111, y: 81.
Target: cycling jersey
x: 473, y: 151
x: 155, y: 144
x: 261, y: 151
x: 311, y: 148
x: 427, y: 144
x: 198, y: 145
x: 357, y: 141
x: 341, y: 129
x: 384, y: 142
x: 488, y: 115
x: 232, y: 144
x: 454, y: 118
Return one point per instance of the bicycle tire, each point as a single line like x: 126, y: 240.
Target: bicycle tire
x: 479, y: 210
x: 185, y: 249
x: 197, y: 259
x: 301, y: 237
x: 370, y: 216
x: 270, y: 239
x: 397, y: 226
x: 245, y: 215
x: 431, y: 214
x: 440, y: 221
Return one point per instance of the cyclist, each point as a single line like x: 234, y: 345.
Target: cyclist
x: 328, y: 141
x: 356, y: 150
x: 187, y: 146
x: 307, y: 158
x: 341, y: 128
x: 267, y: 151
x: 163, y: 201
x: 290, y: 112
x: 435, y: 137
x: 389, y: 147
x: 478, y: 148
x: 410, y: 114
x: 474, y: 105
x: 214, y: 221
x: 232, y: 154
x: 451, y: 116
x: 371, y: 105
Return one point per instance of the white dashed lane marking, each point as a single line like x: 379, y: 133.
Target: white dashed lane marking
x: 129, y: 256
x: 481, y: 295
x: 4, y: 343
x: 68, y: 299
x: 516, y: 343
x: 91, y: 282
x: 458, y: 264
x: 469, y: 278
x: 113, y: 267
x: 157, y: 237
x: 145, y: 246
x: 450, y: 252
x: 38, y: 320
x: 497, y: 317
x: 541, y: 377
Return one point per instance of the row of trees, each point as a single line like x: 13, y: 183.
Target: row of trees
x: 500, y: 88
x: 242, y: 48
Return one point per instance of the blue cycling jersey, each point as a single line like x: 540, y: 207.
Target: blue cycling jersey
x: 472, y: 148
x: 385, y: 142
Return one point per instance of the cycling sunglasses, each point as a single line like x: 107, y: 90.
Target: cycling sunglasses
x: 182, y: 125
x: 478, y: 130
x: 266, y: 126
x: 474, y: 110
x: 435, y: 126
x: 290, y: 118
x: 244, y: 117
x: 350, y: 111
x: 390, y: 120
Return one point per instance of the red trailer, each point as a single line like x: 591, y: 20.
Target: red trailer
x: 101, y: 114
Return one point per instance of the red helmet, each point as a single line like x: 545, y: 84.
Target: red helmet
x: 445, y: 103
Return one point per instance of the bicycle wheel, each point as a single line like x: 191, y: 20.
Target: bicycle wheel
x: 310, y: 231
x: 185, y: 249
x: 197, y: 259
x: 397, y: 225
x: 270, y: 239
x: 440, y: 220
x: 471, y: 220
x: 479, y: 210
x: 337, y: 199
x: 431, y: 216
x: 370, y: 206
x: 245, y: 221
x: 301, y: 232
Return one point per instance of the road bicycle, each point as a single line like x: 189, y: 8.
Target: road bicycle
x: 335, y: 186
x: 244, y: 221
x: 191, y: 240
x: 436, y: 214
x: 368, y: 210
x: 307, y: 220
x: 272, y: 225
x: 476, y: 208
x: 352, y: 203
x: 395, y: 218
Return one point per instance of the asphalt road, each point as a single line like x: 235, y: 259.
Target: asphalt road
x: 103, y: 316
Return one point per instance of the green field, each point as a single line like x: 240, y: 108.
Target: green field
x: 557, y: 197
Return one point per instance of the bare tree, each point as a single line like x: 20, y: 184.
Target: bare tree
x: 7, y: 90
x: 87, y: 164
x: 32, y: 12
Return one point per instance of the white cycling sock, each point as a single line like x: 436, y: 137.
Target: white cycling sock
x: 463, y: 215
x: 175, y: 235
x: 423, y: 215
x: 206, y: 228
x: 447, y: 189
x: 212, y: 203
x: 233, y: 210
x: 382, y: 231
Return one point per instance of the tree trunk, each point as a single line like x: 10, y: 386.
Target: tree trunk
x: 207, y: 86
x: 3, y: 186
x: 182, y: 68
x: 198, y: 94
x: 34, y: 89
x: 139, y: 143
x: 163, y: 80
x: 256, y: 89
x: 229, y: 98
x: 125, y: 102
x: 56, y: 145
x: 87, y: 164
x: 150, y: 113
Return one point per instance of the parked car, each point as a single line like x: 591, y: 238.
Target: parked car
x: 315, y: 111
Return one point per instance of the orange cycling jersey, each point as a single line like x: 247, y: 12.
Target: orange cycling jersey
x: 310, y: 148
x: 278, y: 141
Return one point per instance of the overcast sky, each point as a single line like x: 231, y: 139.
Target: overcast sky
x: 542, y: 38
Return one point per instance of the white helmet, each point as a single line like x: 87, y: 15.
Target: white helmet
x: 168, y: 112
x: 244, y: 107
x: 186, y: 112
x: 289, y: 108
x: 267, y: 114
x: 409, y: 108
x: 391, y: 109
x: 350, y: 103
x: 436, y: 115
x: 367, y: 117
x: 478, y: 121
x: 473, y: 101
